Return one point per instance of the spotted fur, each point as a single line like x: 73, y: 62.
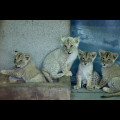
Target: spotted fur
x: 85, y: 74
x: 110, y: 82
x: 24, y: 69
x: 107, y: 58
x: 58, y: 63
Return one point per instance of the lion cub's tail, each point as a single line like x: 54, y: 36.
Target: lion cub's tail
x: 4, y: 79
x: 111, y: 95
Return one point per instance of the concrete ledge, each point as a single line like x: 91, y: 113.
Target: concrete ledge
x: 94, y: 94
x: 35, y: 91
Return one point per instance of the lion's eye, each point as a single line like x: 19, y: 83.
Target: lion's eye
x: 83, y: 58
x: 71, y: 46
x: 89, y: 59
x: 14, y: 60
x: 20, y: 61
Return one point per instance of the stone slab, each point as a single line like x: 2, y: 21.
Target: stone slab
x: 37, y: 91
x: 95, y: 94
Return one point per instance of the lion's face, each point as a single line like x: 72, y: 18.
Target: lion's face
x: 70, y: 44
x: 21, y: 59
x: 107, y: 58
x: 86, y: 58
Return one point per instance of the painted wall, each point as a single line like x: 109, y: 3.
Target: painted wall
x: 95, y: 35
x: 37, y: 37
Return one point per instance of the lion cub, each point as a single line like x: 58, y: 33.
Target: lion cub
x: 58, y: 63
x: 110, y: 73
x: 85, y: 74
x: 24, y: 68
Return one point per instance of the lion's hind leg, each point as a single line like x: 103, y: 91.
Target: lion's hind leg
x: 47, y: 76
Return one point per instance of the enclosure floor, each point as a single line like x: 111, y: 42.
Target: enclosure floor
x: 95, y: 94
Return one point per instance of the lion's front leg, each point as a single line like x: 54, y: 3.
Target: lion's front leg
x: 102, y: 83
x: 79, y: 79
x: 7, y: 72
x: 15, y: 73
x: 65, y: 70
x: 70, y: 65
x: 89, y: 83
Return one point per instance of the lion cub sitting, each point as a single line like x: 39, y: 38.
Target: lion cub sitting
x: 24, y: 68
x: 58, y: 63
x: 86, y: 75
x: 110, y: 82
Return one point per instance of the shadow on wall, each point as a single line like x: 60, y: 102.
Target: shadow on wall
x: 1, y: 34
x: 1, y: 21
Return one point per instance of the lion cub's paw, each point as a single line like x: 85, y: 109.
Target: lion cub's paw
x: 97, y: 87
x: 69, y: 73
x: 3, y: 71
x: 51, y: 81
x: 106, y: 89
x: 77, y: 87
x: 12, y: 80
x: 89, y: 87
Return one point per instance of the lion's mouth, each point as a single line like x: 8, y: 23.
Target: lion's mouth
x: 16, y: 66
x: 69, y: 52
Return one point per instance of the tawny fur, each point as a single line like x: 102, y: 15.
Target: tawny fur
x: 58, y: 63
x: 85, y: 74
x: 25, y: 69
x: 110, y: 73
x: 4, y: 79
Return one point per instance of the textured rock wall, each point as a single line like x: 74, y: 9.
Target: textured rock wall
x: 37, y: 37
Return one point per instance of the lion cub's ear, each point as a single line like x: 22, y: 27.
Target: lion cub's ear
x: 115, y: 56
x: 80, y: 52
x: 77, y: 39
x: 15, y: 52
x: 94, y: 55
x: 63, y: 39
x: 101, y: 52
x: 28, y: 56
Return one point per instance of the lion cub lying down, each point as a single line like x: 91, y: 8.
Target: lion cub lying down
x: 24, y: 69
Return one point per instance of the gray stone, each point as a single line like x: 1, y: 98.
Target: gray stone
x: 37, y: 91
x: 95, y: 94
x: 38, y: 37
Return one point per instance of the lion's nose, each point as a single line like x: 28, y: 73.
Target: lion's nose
x: 84, y: 85
x: 69, y: 52
x: 15, y: 66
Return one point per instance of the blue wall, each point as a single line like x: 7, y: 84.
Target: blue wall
x: 95, y: 35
